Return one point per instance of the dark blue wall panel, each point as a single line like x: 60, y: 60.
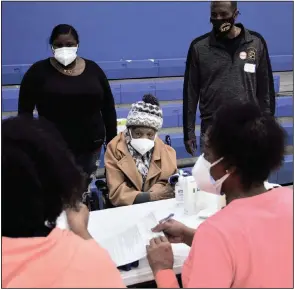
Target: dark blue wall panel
x: 284, y: 106
x: 285, y: 173
x: 154, y: 35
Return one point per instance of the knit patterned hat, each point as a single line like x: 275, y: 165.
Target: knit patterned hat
x: 146, y: 113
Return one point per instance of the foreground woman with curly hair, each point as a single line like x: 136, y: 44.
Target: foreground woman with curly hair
x: 39, y: 180
x: 249, y: 243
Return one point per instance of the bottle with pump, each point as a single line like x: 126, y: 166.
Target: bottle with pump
x: 179, y: 192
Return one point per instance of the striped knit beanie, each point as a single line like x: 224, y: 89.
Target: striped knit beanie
x: 146, y: 113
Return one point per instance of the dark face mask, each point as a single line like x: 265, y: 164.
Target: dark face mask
x: 222, y: 27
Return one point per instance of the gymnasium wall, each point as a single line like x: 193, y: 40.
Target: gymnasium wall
x: 154, y: 35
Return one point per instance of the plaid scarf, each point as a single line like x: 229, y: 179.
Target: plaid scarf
x: 142, y: 162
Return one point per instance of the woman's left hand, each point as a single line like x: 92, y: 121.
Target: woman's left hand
x: 162, y: 193
x: 160, y: 255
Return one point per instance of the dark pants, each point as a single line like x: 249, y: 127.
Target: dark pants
x: 205, y: 124
x: 89, y: 161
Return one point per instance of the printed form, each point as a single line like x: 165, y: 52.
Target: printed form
x: 130, y: 245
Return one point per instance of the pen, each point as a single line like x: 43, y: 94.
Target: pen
x: 167, y: 218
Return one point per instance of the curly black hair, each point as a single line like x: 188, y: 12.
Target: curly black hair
x: 39, y: 176
x: 150, y: 99
x: 248, y: 139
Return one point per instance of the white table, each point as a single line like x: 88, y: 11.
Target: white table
x: 105, y: 223
x: 102, y: 223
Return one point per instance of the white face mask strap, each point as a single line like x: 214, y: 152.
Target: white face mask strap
x: 222, y: 180
x: 217, y: 161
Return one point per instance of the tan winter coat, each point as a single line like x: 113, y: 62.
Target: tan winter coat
x: 123, y: 178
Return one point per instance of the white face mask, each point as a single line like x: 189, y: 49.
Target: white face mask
x: 201, y: 174
x: 65, y: 55
x: 142, y: 145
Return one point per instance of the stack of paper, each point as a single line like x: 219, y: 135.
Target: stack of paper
x: 130, y: 245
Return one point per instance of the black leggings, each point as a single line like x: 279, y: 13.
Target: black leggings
x: 204, y: 126
x: 89, y: 161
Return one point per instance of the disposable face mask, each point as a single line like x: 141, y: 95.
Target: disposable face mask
x: 204, y: 181
x: 65, y: 55
x: 142, y: 145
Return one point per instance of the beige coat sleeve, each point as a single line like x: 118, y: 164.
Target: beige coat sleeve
x: 119, y: 192
x: 169, y: 167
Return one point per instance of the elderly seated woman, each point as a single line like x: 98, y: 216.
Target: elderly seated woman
x: 138, y: 164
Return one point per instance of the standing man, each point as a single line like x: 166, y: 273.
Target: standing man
x: 228, y: 63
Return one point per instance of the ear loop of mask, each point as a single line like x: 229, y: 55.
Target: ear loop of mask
x: 235, y: 14
x: 222, y: 179
x: 216, y: 162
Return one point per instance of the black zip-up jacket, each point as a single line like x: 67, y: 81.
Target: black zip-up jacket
x: 213, y: 77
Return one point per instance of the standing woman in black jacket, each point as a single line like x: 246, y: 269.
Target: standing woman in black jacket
x: 74, y: 94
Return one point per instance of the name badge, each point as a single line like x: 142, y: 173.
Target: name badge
x: 249, y: 67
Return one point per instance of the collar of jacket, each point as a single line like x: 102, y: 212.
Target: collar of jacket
x: 247, y: 38
x: 128, y: 166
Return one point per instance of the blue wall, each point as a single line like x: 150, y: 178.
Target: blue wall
x: 111, y: 31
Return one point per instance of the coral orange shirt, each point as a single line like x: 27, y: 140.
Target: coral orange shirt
x: 248, y: 244
x: 61, y: 260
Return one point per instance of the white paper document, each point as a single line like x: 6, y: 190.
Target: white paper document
x: 130, y: 245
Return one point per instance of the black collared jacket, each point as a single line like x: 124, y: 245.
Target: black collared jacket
x: 213, y: 77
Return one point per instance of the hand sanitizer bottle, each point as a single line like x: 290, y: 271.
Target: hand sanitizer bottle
x: 189, y: 187
x: 179, y: 194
